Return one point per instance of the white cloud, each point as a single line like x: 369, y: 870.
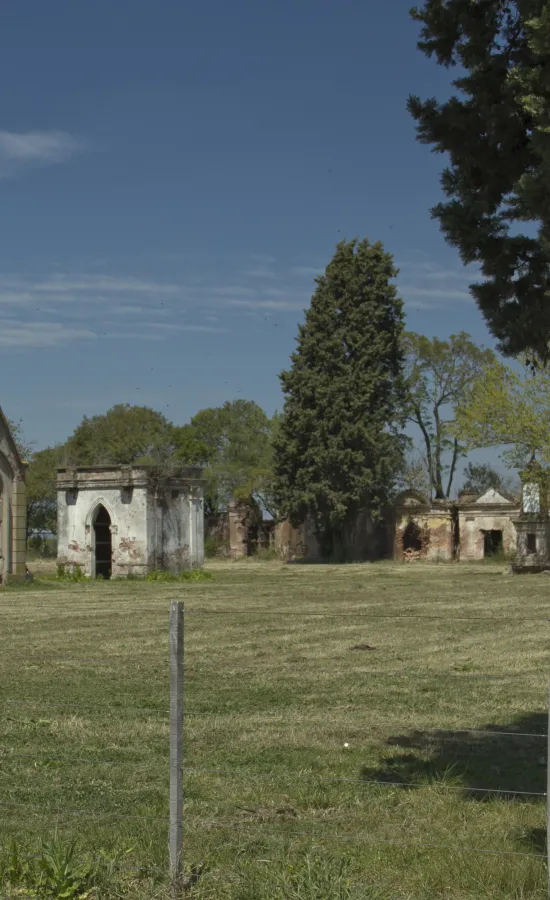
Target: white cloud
x: 111, y: 306
x: 168, y: 326
x: 259, y: 272
x: 264, y: 258
x: 430, y: 286
x: 278, y: 292
x: 71, y: 284
x: 437, y: 293
x: 40, y: 334
x: 16, y: 298
x: 128, y: 307
x: 230, y: 290
x: 306, y: 271
x: 36, y: 148
x: 134, y: 310
x: 269, y: 304
x: 132, y: 335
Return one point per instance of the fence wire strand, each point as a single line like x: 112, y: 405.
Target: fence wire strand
x: 292, y: 613
x: 292, y: 777
x: 297, y: 776
x: 95, y: 813
x: 361, y: 838
x: 260, y: 715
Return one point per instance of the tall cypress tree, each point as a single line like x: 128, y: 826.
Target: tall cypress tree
x: 338, y: 447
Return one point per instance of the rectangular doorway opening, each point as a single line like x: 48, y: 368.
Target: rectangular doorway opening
x: 493, y: 544
x: 531, y: 544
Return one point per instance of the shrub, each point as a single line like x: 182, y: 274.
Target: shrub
x: 266, y: 554
x: 64, y: 574
x: 191, y: 575
x: 215, y: 546
x: 57, y: 871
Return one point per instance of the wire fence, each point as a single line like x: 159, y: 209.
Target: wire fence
x: 178, y: 819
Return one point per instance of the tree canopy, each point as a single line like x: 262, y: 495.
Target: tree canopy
x: 439, y: 378
x: 238, y: 440
x: 41, y: 490
x: 413, y: 474
x: 495, y: 132
x: 24, y: 446
x: 337, y: 450
x: 128, y: 434
x: 233, y: 442
x: 480, y: 477
x: 509, y: 409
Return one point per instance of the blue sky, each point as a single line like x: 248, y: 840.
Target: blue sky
x: 173, y: 175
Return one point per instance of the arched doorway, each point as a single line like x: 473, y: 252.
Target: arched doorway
x: 103, y: 544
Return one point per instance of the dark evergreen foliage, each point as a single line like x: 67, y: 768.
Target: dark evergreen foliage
x: 338, y: 450
x: 496, y: 134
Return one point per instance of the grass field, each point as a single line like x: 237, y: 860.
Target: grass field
x: 275, y: 805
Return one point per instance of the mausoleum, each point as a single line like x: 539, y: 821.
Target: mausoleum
x: 115, y: 521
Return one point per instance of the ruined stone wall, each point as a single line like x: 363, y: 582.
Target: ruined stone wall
x: 245, y: 529
x: 368, y: 542
x: 238, y: 530
x: 431, y: 533
x: 473, y: 524
x: 289, y: 541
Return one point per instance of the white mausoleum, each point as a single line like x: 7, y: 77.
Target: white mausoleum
x: 124, y: 520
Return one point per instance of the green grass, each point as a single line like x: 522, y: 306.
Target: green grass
x: 273, y: 692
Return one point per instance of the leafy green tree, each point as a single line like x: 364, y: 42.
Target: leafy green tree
x: 480, y: 477
x: 24, y: 446
x: 128, y: 434
x: 509, y: 409
x: 439, y: 377
x: 238, y: 441
x: 495, y: 132
x: 40, y: 481
x: 414, y: 476
x: 41, y: 489
x: 337, y: 450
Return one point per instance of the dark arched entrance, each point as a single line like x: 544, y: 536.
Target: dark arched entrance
x: 103, y: 546
x: 412, y: 536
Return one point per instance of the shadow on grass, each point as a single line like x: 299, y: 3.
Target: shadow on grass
x: 511, y: 764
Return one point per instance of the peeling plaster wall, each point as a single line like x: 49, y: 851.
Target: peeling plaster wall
x: 148, y: 531
x: 182, y: 530
x: 473, y: 523
x: 128, y: 529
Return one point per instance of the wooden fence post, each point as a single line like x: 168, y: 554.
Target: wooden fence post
x: 176, y: 742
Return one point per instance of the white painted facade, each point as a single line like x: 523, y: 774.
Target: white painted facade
x: 119, y: 521
x: 492, y: 512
